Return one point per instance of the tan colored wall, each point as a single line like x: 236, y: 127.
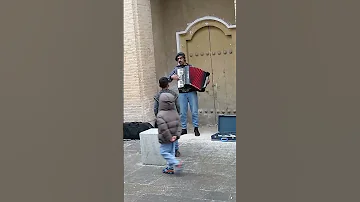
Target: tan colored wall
x: 178, y: 14
x: 150, y: 45
x: 171, y: 16
x: 158, y: 33
x: 139, y: 63
x: 235, y: 9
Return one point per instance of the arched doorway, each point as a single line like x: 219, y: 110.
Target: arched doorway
x: 210, y: 44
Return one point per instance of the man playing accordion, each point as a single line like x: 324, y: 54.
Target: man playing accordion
x: 186, y: 97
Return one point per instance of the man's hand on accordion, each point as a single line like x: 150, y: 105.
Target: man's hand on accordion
x: 208, y: 81
x: 175, y: 77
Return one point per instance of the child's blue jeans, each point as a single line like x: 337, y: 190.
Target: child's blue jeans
x: 168, y: 152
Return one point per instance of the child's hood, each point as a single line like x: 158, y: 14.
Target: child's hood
x: 166, y: 101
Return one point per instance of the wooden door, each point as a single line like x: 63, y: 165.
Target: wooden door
x: 198, y: 55
x: 211, y: 47
x: 223, y: 71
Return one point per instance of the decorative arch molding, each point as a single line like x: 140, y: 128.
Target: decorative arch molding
x: 199, y: 23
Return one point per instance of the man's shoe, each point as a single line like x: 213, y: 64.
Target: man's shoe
x: 196, y: 131
x: 183, y: 131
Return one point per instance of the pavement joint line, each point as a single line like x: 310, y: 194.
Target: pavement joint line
x: 135, y: 170
x: 136, y: 184
x: 195, y: 198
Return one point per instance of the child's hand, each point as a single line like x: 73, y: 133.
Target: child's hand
x: 173, y: 138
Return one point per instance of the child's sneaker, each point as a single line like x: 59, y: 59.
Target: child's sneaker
x: 179, y: 167
x: 168, y: 170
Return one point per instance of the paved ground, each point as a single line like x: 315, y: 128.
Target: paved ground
x: 209, y: 172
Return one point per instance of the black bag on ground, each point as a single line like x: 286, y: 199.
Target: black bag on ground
x: 132, y: 130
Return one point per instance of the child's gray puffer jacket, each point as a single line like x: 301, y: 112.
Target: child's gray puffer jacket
x: 168, y: 119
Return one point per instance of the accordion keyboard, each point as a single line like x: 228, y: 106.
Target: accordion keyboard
x: 180, y: 73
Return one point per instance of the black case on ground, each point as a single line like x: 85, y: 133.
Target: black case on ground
x: 132, y: 130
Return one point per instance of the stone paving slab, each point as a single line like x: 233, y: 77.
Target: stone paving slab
x: 209, y: 172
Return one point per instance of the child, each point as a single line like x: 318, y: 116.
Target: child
x: 168, y: 122
x: 164, y: 85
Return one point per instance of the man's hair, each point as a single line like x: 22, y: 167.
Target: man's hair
x: 179, y: 54
x: 163, y: 82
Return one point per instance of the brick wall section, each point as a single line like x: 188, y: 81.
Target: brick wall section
x: 139, y: 64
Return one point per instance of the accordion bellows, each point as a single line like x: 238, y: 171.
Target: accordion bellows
x: 192, y: 78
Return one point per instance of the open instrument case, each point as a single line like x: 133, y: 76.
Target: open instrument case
x: 226, y: 129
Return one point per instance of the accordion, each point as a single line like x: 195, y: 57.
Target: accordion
x: 192, y: 78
